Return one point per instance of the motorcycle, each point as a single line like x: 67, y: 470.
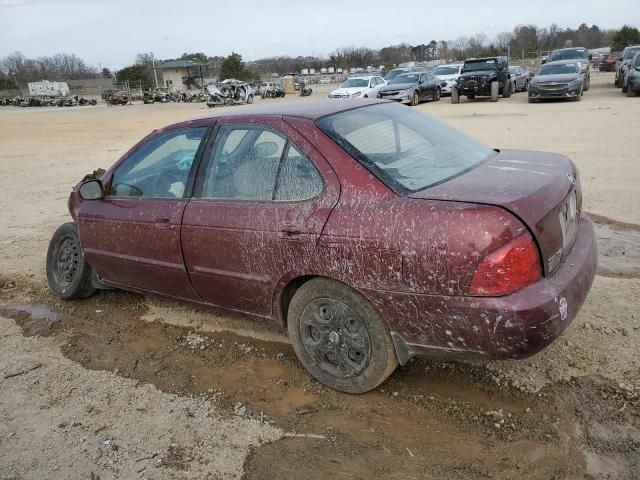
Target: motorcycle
x: 305, y: 91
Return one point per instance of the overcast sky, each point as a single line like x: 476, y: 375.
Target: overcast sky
x: 110, y: 33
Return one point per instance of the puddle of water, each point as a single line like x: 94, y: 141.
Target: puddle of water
x: 618, y: 250
x: 36, y: 312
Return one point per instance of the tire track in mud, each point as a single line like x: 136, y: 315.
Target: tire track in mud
x: 429, y: 420
x: 618, y: 247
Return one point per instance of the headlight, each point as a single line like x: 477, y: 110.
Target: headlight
x: 575, y: 83
x: 329, y: 96
x: 357, y: 94
x: 533, y: 83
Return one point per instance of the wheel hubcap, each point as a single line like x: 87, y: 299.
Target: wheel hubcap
x: 67, y: 260
x: 335, y: 337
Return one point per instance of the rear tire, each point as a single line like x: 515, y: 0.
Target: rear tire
x: 339, y: 337
x: 495, y: 87
x: 455, y: 95
x: 68, y: 273
x: 630, y: 92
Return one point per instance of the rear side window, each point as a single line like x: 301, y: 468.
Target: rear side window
x: 298, y: 179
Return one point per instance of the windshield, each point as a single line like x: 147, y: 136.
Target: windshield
x: 631, y: 52
x: 405, y: 149
x: 568, y: 54
x: 559, y: 69
x: 355, y: 82
x: 446, y: 70
x: 479, y: 65
x: 405, y: 78
x: 393, y: 74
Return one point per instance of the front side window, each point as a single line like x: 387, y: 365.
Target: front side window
x: 252, y: 163
x: 407, y: 150
x: 160, y: 168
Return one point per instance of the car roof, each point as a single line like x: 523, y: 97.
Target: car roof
x: 362, y: 77
x: 454, y: 64
x: 311, y: 109
x: 568, y: 48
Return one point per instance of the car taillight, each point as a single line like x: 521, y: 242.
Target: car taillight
x: 508, y: 269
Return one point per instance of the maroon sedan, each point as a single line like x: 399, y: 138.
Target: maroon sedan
x: 370, y: 231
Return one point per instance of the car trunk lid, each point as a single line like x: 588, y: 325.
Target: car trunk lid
x: 541, y: 189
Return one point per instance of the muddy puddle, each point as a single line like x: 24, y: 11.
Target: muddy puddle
x: 618, y: 248
x: 428, y: 421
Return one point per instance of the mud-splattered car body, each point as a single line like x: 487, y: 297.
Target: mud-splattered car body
x: 429, y: 260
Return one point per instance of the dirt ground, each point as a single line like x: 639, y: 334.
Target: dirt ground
x: 123, y: 386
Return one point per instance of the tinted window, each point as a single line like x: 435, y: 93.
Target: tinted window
x: 568, y: 54
x: 559, y: 69
x: 298, y: 178
x: 407, y: 150
x: 160, y: 168
x: 481, y: 65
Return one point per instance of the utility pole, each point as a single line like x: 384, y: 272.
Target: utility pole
x: 155, y: 74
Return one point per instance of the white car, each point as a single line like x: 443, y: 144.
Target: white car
x: 449, y: 74
x: 366, y: 86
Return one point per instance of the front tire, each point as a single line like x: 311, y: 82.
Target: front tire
x: 68, y: 273
x: 495, y: 87
x: 455, y: 95
x: 437, y: 95
x: 339, y: 337
x: 630, y: 91
x: 415, y: 99
x: 506, y: 90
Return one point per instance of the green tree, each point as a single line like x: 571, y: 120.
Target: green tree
x: 135, y: 73
x: 233, y: 67
x: 627, y: 35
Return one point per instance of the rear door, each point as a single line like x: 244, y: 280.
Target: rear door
x: 131, y: 237
x: 262, y: 197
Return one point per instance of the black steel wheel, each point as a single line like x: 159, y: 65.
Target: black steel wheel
x: 339, y: 336
x: 68, y: 273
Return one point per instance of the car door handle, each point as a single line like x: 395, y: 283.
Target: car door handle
x: 162, y: 220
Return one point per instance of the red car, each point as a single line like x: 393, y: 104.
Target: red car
x: 607, y: 64
x: 370, y: 231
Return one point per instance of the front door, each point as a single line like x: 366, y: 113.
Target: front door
x: 132, y: 236
x: 261, y: 199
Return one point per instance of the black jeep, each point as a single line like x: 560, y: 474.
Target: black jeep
x: 483, y: 77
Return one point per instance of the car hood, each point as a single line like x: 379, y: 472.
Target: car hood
x: 558, y: 77
x: 534, y: 186
x: 475, y: 73
x: 397, y: 86
x: 447, y: 77
x: 348, y: 91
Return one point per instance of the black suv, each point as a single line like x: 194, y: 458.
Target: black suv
x: 483, y: 77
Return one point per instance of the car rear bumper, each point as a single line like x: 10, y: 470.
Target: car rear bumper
x: 512, y: 326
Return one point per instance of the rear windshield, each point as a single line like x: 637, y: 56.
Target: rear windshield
x: 568, y: 54
x: 559, y: 69
x: 407, y: 150
x: 479, y: 65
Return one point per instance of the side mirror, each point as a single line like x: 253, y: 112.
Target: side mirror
x: 91, y: 190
